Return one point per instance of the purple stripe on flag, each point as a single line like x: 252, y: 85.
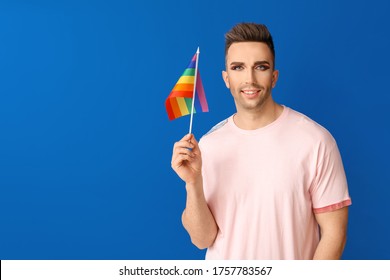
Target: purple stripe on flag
x: 200, y: 95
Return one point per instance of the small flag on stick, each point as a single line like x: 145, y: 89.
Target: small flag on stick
x: 187, y: 96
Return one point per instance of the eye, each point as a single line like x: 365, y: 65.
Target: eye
x: 262, y: 67
x: 236, y: 67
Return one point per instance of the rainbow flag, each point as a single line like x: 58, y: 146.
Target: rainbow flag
x: 179, y: 101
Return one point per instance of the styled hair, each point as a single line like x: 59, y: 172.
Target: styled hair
x: 249, y: 32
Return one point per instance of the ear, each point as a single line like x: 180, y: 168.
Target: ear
x: 225, y: 78
x: 275, y: 76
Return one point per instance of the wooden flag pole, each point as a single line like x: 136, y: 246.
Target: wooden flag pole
x: 194, y: 90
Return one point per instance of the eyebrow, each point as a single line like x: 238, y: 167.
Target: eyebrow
x: 237, y: 63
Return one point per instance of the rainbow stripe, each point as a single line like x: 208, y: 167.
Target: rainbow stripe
x: 179, y: 101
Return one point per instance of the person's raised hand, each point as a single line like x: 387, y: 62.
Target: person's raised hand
x: 187, y: 160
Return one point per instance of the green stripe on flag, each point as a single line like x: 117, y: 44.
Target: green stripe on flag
x: 189, y: 72
x: 189, y: 104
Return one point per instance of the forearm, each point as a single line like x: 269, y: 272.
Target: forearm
x: 197, y: 218
x: 330, y: 247
x: 333, y: 226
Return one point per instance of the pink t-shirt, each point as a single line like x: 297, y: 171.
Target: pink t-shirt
x: 263, y: 186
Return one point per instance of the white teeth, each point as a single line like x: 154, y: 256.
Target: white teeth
x: 249, y: 92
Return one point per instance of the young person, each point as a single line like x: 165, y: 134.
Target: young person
x: 268, y: 182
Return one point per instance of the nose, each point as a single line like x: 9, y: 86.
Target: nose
x: 250, y: 77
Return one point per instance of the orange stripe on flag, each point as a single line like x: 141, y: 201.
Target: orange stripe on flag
x: 183, y: 87
x: 175, y: 107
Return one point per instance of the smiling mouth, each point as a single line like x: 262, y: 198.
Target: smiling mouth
x: 250, y: 91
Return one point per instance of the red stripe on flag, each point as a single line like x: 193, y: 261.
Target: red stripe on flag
x: 168, y: 106
x: 187, y: 94
x: 175, y: 107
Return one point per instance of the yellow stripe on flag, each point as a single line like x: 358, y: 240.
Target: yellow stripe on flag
x: 182, y: 105
x: 186, y: 80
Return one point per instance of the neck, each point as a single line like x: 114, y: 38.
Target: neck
x: 250, y: 120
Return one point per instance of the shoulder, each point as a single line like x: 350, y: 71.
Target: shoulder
x: 215, y: 131
x: 308, y: 129
x: 216, y: 127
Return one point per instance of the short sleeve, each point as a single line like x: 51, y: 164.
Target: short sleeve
x: 329, y: 190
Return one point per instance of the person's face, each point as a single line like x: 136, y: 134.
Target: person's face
x: 250, y: 74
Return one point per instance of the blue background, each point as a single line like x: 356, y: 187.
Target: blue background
x: 85, y: 142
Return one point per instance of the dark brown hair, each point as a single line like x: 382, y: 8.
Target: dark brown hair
x: 249, y: 32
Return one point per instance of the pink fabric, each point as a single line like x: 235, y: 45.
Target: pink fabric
x: 262, y: 186
x: 333, y: 207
